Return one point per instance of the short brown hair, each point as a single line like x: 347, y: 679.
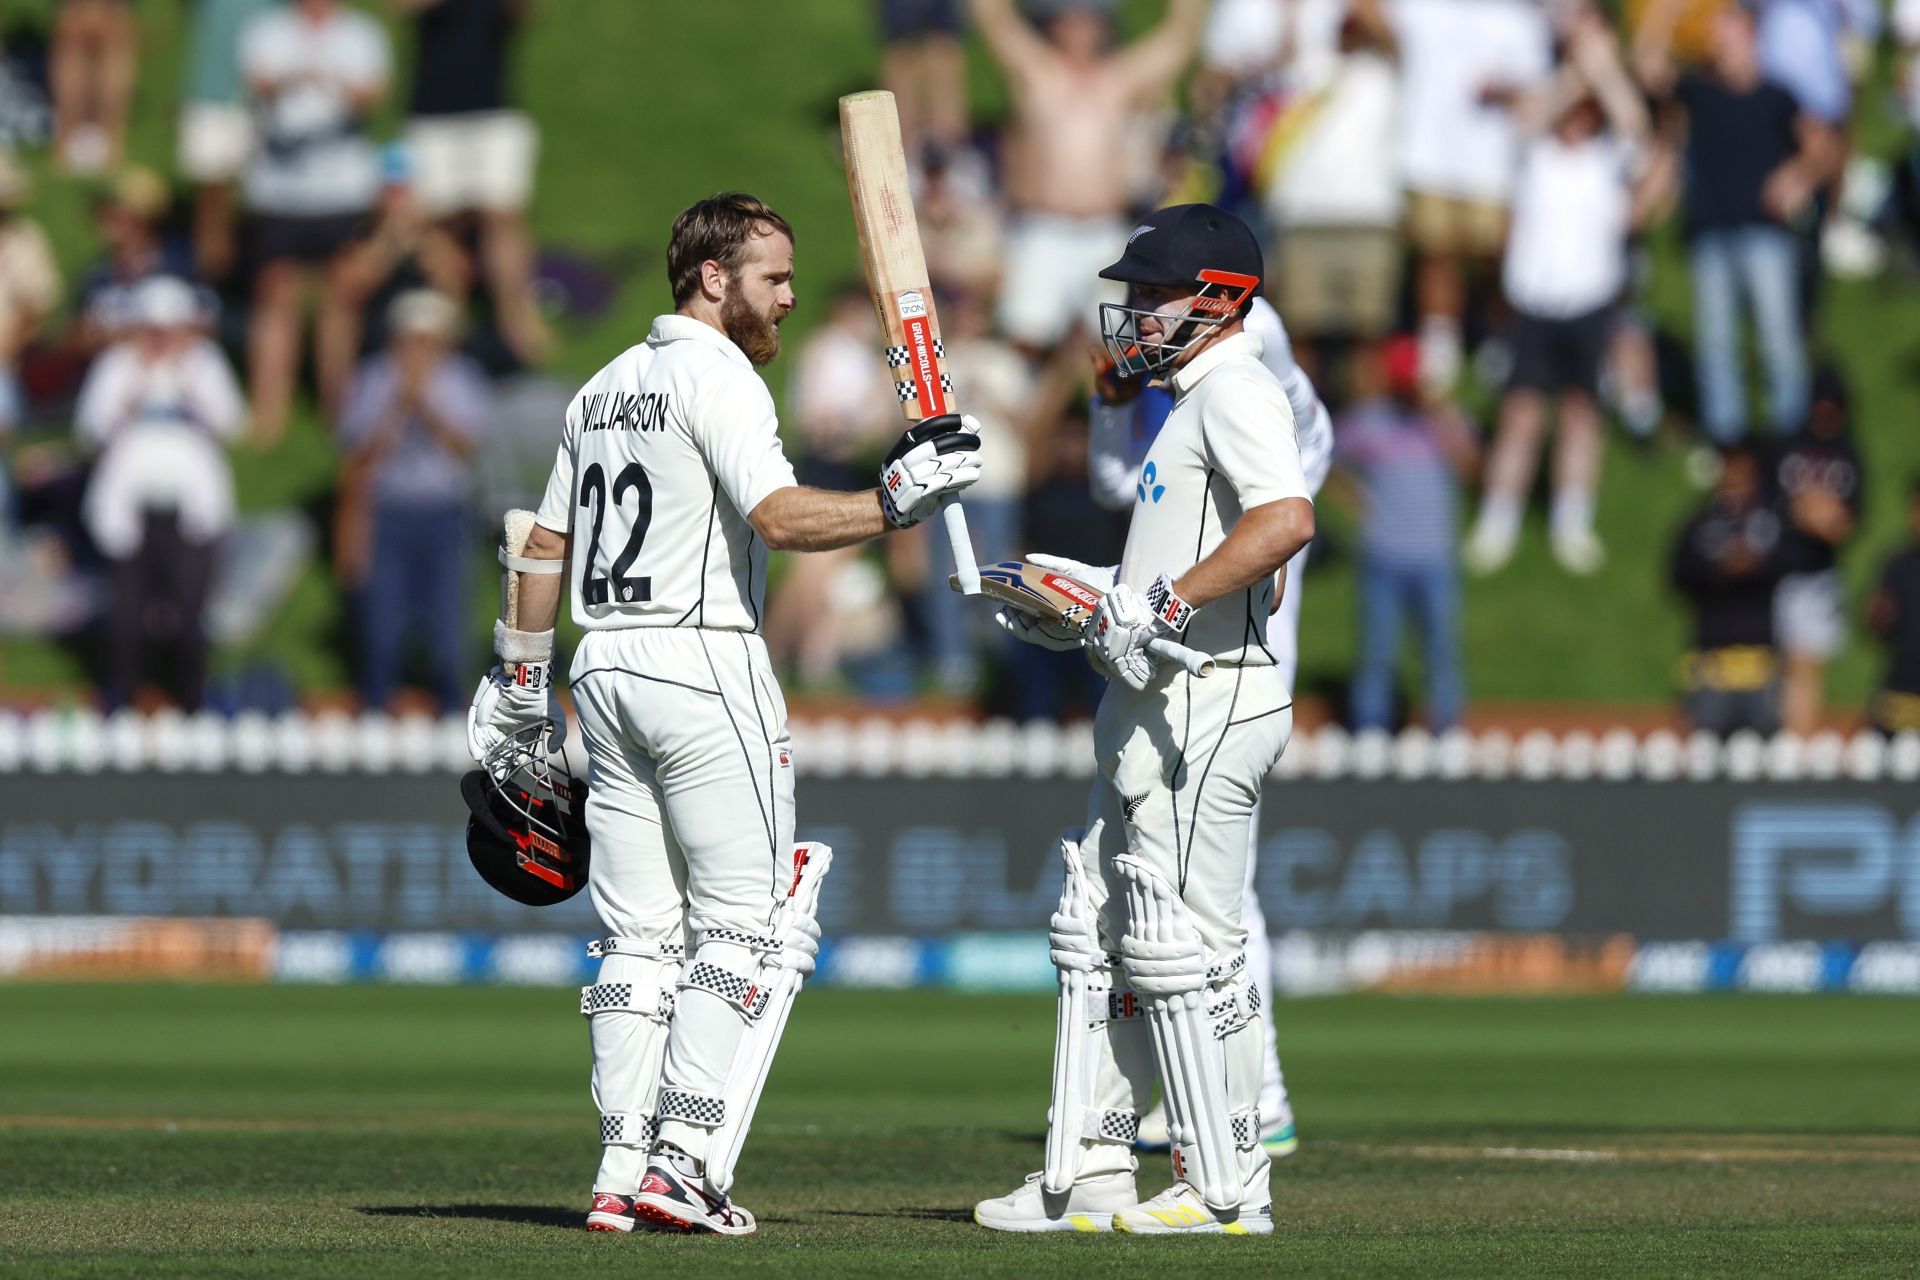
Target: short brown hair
x: 718, y: 229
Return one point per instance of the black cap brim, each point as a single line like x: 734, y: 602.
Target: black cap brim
x: 1134, y: 269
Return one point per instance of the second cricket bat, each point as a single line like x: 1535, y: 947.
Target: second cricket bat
x: 897, y: 274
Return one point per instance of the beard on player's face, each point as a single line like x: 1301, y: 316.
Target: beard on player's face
x: 756, y: 332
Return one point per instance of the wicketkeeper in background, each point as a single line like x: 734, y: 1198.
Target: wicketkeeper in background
x: 1149, y: 938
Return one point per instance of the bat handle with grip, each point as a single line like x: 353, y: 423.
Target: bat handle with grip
x: 1196, y: 662
x: 965, y: 567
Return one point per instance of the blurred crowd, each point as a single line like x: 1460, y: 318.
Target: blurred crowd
x: 392, y: 279
x: 1464, y: 205
x: 1460, y: 201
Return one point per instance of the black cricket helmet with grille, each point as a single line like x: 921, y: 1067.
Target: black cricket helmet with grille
x: 1199, y: 246
x: 526, y: 826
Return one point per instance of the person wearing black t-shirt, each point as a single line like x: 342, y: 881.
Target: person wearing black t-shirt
x: 474, y: 151
x: 1752, y: 164
x: 1817, y: 480
x: 1893, y: 614
x: 1727, y: 561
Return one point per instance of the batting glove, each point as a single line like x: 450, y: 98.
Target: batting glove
x: 1123, y: 624
x: 1048, y: 635
x: 516, y: 695
x: 935, y: 459
x: 1099, y: 577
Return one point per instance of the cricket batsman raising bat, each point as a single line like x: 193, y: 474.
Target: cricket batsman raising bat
x: 668, y: 490
x: 1149, y: 939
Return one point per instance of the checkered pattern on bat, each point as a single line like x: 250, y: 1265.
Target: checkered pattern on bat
x: 900, y: 357
x: 628, y: 1129
x: 695, y: 1108
x: 907, y: 388
x: 748, y: 997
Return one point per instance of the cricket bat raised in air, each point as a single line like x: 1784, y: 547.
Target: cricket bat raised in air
x: 1041, y: 593
x: 897, y: 275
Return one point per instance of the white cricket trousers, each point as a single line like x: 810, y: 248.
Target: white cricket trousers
x: 691, y: 803
x: 1179, y: 769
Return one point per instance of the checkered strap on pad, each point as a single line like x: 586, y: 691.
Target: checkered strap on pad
x: 1111, y: 1126
x: 744, y: 994
x: 628, y: 1129
x: 626, y: 997
x: 702, y: 1109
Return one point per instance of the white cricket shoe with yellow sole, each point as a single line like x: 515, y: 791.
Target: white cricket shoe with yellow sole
x: 1087, y: 1206
x: 1179, y: 1210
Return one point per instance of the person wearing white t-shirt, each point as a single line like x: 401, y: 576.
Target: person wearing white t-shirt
x: 668, y: 490
x: 1457, y: 147
x: 314, y: 71
x: 1574, y: 204
x: 159, y: 407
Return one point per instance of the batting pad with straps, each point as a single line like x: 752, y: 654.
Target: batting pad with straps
x: 1089, y: 999
x: 786, y: 959
x: 629, y: 1009
x: 1166, y: 962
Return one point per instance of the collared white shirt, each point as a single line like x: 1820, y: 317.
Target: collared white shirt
x: 1228, y: 446
x: 666, y: 451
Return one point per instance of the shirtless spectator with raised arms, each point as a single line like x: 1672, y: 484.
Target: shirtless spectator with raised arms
x: 1073, y: 95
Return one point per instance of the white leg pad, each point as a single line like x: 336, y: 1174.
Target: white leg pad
x: 786, y: 961
x: 1166, y: 964
x: 628, y: 1010
x: 1089, y: 999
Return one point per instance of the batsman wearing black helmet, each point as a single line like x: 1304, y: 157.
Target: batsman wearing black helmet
x: 1148, y: 939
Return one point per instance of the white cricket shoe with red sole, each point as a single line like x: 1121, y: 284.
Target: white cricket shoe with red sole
x: 610, y: 1212
x: 671, y: 1202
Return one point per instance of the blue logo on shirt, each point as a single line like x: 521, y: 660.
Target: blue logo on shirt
x: 1147, y: 485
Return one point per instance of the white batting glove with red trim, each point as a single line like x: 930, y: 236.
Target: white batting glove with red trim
x: 516, y: 695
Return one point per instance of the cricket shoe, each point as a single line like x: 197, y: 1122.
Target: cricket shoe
x: 1279, y: 1138
x: 610, y: 1212
x: 671, y: 1201
x: 1179, y: 1210
x: 1087, y: 1205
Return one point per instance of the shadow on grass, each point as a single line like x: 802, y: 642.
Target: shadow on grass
x: 925, y: 1215
x: 532, y: 1215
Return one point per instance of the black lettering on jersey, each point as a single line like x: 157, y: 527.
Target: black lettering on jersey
x: 607, y: 411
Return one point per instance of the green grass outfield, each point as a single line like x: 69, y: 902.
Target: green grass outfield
x: 393, y: 1131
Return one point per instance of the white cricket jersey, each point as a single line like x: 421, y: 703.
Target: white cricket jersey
x: 666, y: 451
x: 1227, y: 446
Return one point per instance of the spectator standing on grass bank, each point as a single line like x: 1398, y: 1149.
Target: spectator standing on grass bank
x: 29, y: 288
x: 1817, y: 475
x: 1575, y: 202
x: 1074, y: 96
x: 401, y: 249
x: 91, y: 69
x: 1459, y: 59
x: 216, y: 130
x: 315, y: 70
x: 126, y: 217
x: 474, y: 151
x: 1893, y: 614
x: 1404, y: 452
x: 159, y: 406
x: 923, y: 63
x: 1727, y: 562
x: 1752, y: 163
x: 411, y: 424
x: 1335, y: 201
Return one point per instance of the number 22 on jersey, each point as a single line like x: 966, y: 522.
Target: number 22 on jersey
x: 607, y: 511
